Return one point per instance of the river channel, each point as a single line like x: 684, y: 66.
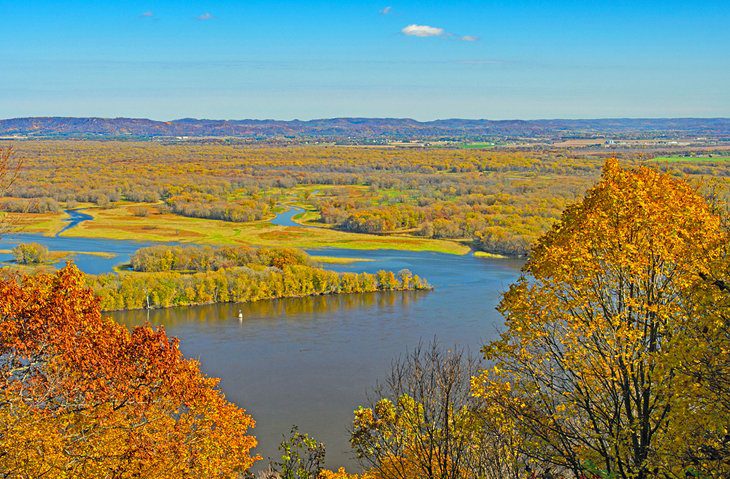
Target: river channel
x: 311, y: 361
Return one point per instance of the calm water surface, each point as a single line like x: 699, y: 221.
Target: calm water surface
x: 74, y: 218
x: 287, y: 218
x: 311, y: 361
x: 89, y: 263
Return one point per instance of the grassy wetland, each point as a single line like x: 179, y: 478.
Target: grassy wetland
x: 442, y: 200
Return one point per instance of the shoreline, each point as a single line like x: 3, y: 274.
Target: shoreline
x: 313, y: 295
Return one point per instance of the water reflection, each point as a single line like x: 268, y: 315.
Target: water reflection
x: 285, y: 310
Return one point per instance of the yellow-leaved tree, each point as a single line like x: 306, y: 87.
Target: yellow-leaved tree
x: 614, y: 361
x: 425, y: 424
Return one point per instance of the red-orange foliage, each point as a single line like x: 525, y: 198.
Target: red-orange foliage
x: 81, y: 396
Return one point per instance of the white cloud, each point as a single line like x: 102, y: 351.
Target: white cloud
x: 147, y: 14
x: 422, y: 31
x: 386, y: 10
x: 469, y: 38
x: 205, y: 16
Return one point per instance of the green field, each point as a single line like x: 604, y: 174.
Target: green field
x: 693, y: 159
x: 484, y: 254
x: 337, y: 260
x: 477, y: 145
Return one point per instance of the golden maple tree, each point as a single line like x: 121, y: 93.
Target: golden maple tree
x: 83, y: 397
x: 616, y: 334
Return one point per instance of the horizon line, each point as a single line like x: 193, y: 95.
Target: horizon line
x: 93, y: 117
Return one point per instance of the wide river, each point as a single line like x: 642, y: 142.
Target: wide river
x: 311, y: 361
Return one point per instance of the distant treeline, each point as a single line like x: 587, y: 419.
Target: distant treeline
x: 177, y: 276
x: 499, y: 200
x: 29, y: 205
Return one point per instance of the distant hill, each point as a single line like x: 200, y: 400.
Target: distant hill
x: 361, y: 128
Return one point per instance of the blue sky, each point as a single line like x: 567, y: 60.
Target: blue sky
x: 316, y: 59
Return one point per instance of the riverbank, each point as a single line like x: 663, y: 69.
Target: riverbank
x: 122, y: 222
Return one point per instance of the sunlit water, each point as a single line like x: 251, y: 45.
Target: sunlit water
x: 287, y: 218
x: 311, y: 361
x: 120, y: 250
x: 74, y: 218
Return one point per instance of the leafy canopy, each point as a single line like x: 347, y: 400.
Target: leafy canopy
x: 616, y: 301
x: 83, y: 397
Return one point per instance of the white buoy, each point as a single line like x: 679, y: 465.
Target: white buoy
x: 240, y: 315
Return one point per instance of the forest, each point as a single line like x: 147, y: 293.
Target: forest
x: 498, y: 201
x: 167, y: 276
x: 614, y: 362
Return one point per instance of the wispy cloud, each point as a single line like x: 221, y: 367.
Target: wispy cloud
x: 414, y: 30
x: 205, y: 16
x: 386, y: 10
x: 147, y: 14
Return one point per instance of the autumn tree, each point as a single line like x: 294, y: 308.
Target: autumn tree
x: 615, y: 335
x: 9, y: 169
x: 30, y: 253
x: 83, y: 397
x: 425, y: 424
x: 302, y: 457
x: 702, y: 438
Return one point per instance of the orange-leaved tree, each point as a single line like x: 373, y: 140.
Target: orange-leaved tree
x: 83, y: 397
x: 600, y: 371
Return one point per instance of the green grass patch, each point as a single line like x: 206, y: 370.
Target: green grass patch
x: 477, y: 145
x: 338, y: 260
x: 46, y: 224
x: 100, y: 254
x: 484, y: 254
x: 693, y: 159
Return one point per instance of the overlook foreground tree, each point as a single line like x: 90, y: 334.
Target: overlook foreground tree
x: 83, y: 397
x: 616, y: 335
x: 425, y: 424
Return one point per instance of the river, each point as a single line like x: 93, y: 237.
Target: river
x: 286, y: 218
x: 311, y: 361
